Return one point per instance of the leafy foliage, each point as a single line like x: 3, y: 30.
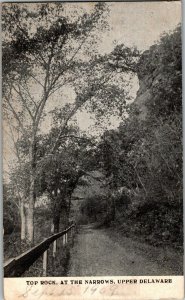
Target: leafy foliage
x: 162, y: 65
x: 142, y: 160
x: 11, y: 210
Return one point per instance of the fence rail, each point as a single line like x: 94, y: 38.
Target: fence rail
x: 15, y: 267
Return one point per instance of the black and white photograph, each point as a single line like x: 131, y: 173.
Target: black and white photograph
x: 92, y: 139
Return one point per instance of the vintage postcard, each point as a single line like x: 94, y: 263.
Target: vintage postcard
x: 92, y: 150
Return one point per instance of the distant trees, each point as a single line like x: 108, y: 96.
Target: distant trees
x: 94, y: 208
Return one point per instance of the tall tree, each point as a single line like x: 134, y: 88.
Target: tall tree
x: 39, y: 56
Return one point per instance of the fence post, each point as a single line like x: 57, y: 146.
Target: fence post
x: 45, y: 258
x: 63, y: 239
x: 54, y: 248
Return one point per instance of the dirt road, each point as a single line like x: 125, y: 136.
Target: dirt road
x: 97, y: 252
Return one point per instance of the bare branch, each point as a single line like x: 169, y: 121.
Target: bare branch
x: 15, y: 114
x: 64, y: 127
x: 68, y: 64
x: 23, y: 101
x: 59, y: 87
x: 36, y: 80
x: 46, y: 90
x: 45, y: 63
x: 28, y: 93
x: 14, y: 142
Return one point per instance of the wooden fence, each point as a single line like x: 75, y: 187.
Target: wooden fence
x: 16, y: 266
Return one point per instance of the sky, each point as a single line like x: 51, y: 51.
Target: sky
x: 141, y: 24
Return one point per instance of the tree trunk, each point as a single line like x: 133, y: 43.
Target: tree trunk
x: 65, y: 215
x: 23, y: 221
x: 56, y: 222
x: 30, y: 222
x: 52, y: 228
x: 60, y: 209
x: 32, y: 193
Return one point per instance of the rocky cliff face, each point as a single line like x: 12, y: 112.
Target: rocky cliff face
x: 148, y: 76
x: 159, y: 73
